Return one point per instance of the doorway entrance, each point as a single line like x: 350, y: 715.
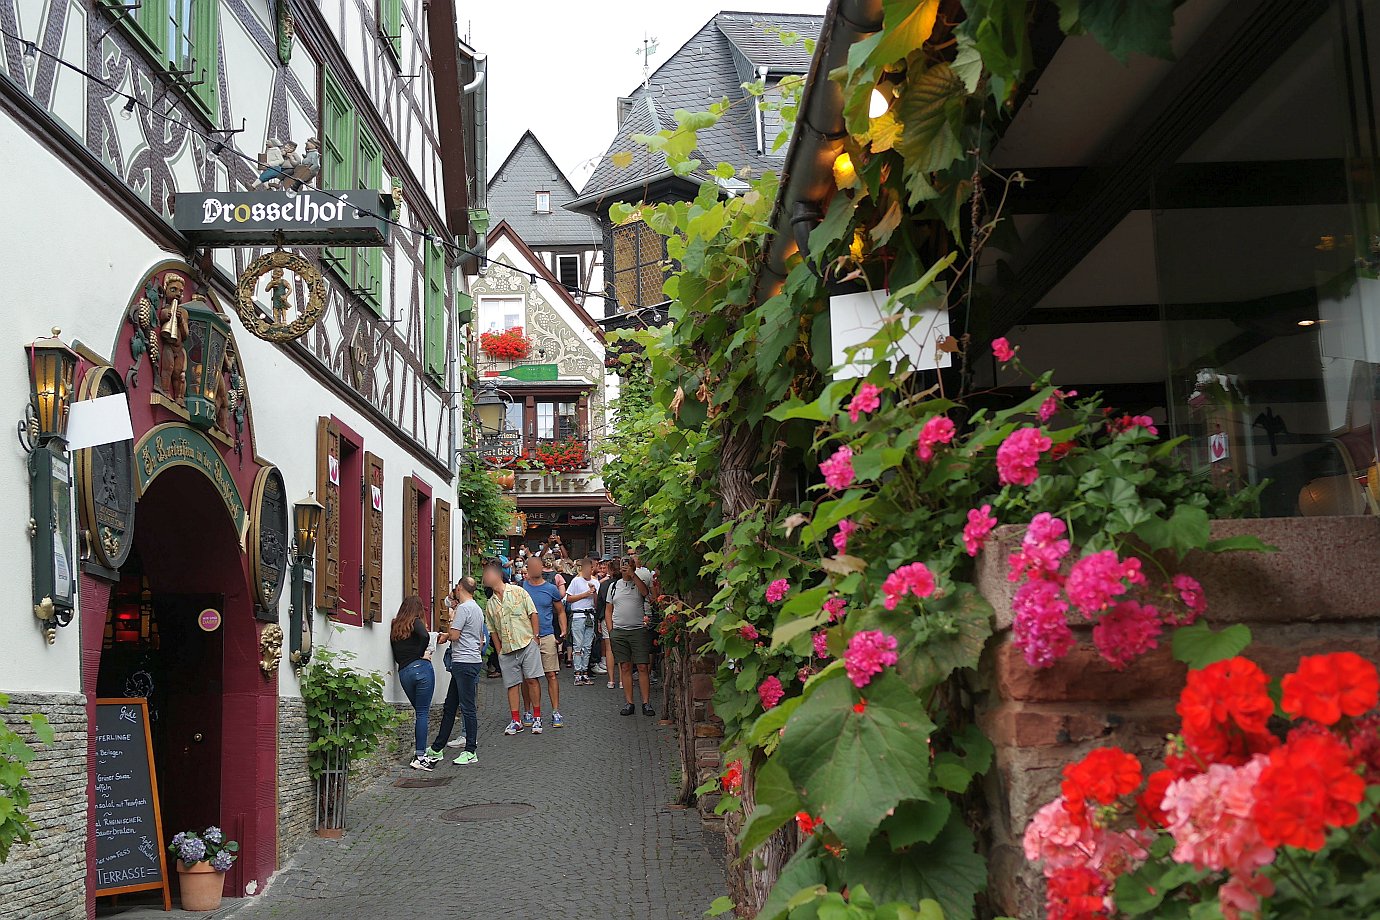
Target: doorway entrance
x: 180, y: 632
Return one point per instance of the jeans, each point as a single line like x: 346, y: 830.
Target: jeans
x: 464, y: 687
x: 581, y: 637
x: 419, y: 682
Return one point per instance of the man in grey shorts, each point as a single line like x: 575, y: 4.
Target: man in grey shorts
x: 512, y: 620
x: 625, y: 616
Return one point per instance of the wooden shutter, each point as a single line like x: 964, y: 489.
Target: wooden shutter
x: 328, y: 538
x: 373, y: 539
x: 411, y: 568
x: 440, y: 559
x: 434, y: 304
x: 206, y: 50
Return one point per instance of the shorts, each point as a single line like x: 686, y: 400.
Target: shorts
x: 633, y: 645
x: 550, y: 657
x: 524, y: 664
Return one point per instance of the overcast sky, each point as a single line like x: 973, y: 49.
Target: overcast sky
x: 558, y: 67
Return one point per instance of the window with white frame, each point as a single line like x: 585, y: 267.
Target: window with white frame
x: 543, y: 203
x: 568, y: 271
x: 499, y: 313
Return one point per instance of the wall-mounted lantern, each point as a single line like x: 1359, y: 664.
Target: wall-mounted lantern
x: 306, y: 522
x: 42, y: 433
x: 207, y: 335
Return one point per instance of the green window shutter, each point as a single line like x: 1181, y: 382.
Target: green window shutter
x: 390, y: 24
x: 435, y: 306
x: 147, y: 24
x: 206, y: 56
x: 369, y: 259
x: 337, y: 160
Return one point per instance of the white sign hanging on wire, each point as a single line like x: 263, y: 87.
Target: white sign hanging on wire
x: 855, y: 319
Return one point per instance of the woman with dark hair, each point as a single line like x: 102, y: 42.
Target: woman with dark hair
x: 412, y: 655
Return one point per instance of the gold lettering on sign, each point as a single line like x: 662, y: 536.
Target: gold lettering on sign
x: 162, y: 449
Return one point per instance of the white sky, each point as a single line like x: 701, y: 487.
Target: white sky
x: 558, y: 67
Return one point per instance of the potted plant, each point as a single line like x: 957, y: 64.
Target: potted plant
x: 202, y: 861
x: 561, y: 457
x: 508, y: 345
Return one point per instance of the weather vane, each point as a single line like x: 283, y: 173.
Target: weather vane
x: 645, y: 52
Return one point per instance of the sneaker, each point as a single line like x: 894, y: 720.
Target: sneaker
x: 557, y: 721
x: 527, y: 719
x: 648, y: 710
x: 457, y: 743
x: 599, y: 668
x: 465, y: 759
x: 435, y: 755
x: 536, y: 725
x: 421, y: 763
x: 627, y: 710
x: 513, y: 728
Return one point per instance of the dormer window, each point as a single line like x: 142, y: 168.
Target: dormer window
x: 543, y: 203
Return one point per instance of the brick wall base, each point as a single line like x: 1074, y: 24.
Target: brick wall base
x: 47, y: 877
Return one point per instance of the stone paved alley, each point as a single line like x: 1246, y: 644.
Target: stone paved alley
x: 601, y: 842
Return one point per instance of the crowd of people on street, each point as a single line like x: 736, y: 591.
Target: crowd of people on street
x: 529, y: 618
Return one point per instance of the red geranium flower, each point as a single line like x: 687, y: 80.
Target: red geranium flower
x: 806, y: 824
x: 1309, y: 785
x: 1225, y: 709
x: 1150, y: 803
x: 1076, y: 893
x: 1101, y: 777
x: 732, y: 779
x: 1327, y: 687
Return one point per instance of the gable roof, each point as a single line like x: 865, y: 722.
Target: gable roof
x: 529, y: 169
x: 711, y: 66
x: 505, y: 230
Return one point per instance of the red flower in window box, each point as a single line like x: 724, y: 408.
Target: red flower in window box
x: 559, y: 457
x: 508, y: 345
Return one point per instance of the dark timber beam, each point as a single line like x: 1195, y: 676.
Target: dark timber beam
x: 1234, y: 51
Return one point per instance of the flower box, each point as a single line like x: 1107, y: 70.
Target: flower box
x: 508, y: 345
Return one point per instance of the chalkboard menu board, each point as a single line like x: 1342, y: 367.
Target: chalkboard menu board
x: 129, y: 828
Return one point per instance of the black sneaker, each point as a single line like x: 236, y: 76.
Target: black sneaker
x: 627, y: 710
x: 648, y: 710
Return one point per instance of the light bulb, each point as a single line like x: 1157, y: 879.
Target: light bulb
x: 877, y: 104
x: 128, y: 111
x: 30, y: 58
x: 1308, y: 322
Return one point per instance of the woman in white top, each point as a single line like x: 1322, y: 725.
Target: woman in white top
x: 579, y: 599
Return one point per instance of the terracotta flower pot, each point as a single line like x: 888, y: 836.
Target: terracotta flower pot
x: 201, y: 886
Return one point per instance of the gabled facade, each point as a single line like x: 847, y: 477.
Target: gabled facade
x: 729, y: 50
x: 530, y: 193
x: 550, y: 415
x: 109, y: 115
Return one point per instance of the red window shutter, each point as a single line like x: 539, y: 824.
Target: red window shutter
x: 328, y: 538
x: 373, y: 538
x: 440, y: 558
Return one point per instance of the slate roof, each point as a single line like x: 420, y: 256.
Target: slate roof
x: 512, y: 199
x: 711, y: 66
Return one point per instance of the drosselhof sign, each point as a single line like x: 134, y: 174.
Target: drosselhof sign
x: 309, y: 217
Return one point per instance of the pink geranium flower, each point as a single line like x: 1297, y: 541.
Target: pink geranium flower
x: 838, y: 469
x: 846, y: 528
x: 1018, y: 455
x: 1040, y: 630
x: 1096, y: 579
x: 777, y: 590
x: 980, y: 524
x: 1043, y: 549
x: 866, y: 401
x: 834, y: 606
x: 869, y: 653
x: 749, y: 632
x: 1003, y: 350
x: 1191, y: 593
x: 770, y: 692
x: 821, y: 642
x: 1126, y: 632
x: 1051, y: 405
x: 915, y: 578
x: 938, y: 429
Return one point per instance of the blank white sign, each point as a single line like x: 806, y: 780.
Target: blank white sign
x: 103, y: 420
x: 856, y: 318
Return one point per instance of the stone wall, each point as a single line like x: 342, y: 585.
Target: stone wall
x: 296, y: 802
x: 47, y: 877
x: 1319, y: 593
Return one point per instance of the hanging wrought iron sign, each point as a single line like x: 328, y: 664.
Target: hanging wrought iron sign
x: 284, y: 296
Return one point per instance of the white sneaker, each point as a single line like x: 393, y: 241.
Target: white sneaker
x: 536, y: 725
x: 420, y: 763
x: 599, y: 668
x: 458, y: 742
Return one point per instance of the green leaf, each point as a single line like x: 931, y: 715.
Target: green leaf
x: 1187, y: 529
x: 773, y: 720
x: 907, y: 24
x: 916, y: 822
x: 853, y: 767
x: 719, y: 907
x: 1198, y: 646
x: 777, y: 803
x: 948, y: 870
x: 948, y: 637
x: 804, y: 870
x: 1126, y: 27
x: 931, y: 108
x: 1243, y: 542
x: 42, y: 729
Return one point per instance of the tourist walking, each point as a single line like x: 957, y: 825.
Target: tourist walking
x: 464, y: 659
x: 512, y: 622
x: 626, y: 617
x: 546, y: 597
x: 412, y: 655
x: 606, y: 663
x: 580, y: 596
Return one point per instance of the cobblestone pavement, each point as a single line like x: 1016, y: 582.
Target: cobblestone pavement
x: 601, y: 841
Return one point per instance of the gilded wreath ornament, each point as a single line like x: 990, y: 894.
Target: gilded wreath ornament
x: 276, y: 327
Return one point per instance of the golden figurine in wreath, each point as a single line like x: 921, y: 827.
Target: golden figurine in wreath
x: 278, y: 324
